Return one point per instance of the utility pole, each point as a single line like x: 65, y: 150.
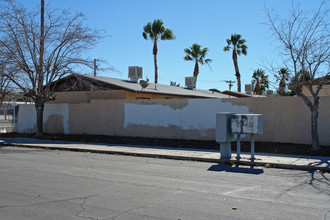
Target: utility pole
x: 95, y: 67
x: 42, y: 47
x: 39, y: 92
x: 230, y: 82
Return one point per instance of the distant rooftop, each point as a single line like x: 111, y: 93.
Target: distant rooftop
x: 240, y: 94
x: 154, y: 88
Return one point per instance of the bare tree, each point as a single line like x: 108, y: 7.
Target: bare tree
x: 304, y: 43
x: 4, y: 85
x: 43, y: 52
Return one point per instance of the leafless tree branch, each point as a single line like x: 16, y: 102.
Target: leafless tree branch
x: 43, y: 51
x: 304, y: 43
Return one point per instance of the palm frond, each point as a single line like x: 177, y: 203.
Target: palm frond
x: 242, y: 41
x: 227, y: 48
x: 156, y: 31
x: 244, y: 51
x: 145, y: 36
x: 167, y: 35
x: 197, y: 54
x: 187, y: 58
x: 237, y: 44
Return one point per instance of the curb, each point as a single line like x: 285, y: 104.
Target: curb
x: 173, y: 157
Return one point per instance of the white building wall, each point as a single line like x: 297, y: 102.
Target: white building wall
x: 198, y: 114
x: 26, y: 117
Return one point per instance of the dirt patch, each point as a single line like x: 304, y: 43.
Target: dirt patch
x: 262, y: 147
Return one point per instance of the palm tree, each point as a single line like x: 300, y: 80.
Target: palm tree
x: 156, y: 31
x: 237, y: 45
x: 197, y: 54
x: 282, y: 76
x: 262, y: 81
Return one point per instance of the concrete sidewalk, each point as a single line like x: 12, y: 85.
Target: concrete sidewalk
x: 310, y: 163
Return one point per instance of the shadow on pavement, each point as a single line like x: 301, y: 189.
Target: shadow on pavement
x: 323, y: 162
x: 236, y: 169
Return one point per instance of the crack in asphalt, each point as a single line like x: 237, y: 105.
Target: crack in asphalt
x: 82, y: 205
x: 83, y: 208
x: 128, y: 211
x: 147, y: 205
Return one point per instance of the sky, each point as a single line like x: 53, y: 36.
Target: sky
x: 208, y: 23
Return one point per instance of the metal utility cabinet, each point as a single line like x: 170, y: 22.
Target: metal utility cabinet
x: 230, y: 126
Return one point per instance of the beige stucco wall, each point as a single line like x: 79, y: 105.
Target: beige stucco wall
x: 286, y: 119
x: 86, y: 96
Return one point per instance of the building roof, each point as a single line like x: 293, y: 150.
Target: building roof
x: 240, y: 94
x: 325, y: 81
x: 152, y: 87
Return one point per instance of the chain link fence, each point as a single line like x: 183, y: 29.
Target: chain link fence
x: 8, y: 117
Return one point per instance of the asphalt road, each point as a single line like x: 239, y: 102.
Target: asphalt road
x: 40, y: 184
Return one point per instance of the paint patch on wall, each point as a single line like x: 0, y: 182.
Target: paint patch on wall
x: 54, y: 125
x: 199, y: 114
x: 62, y: 111
x: 26, y: 118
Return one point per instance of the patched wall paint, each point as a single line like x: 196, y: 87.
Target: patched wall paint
x: 26, y: 118
x: 60, y: 110
x: 285, y: 119
x: 198, y: 114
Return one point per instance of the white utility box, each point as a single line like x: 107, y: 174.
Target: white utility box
x: 230, y: 126
x: 223, y: 134
x: 223, y: 127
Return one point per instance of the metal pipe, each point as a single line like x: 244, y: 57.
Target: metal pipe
x: 252, y: 148
x: 238, y: 147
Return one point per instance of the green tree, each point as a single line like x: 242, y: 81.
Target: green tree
x: 237, y: 44
x: 282, y: 76
x: 173, y: 83
x: 262, y: 81
x: 215, y: 90
x: 197, y: 54
x: 156, y: 31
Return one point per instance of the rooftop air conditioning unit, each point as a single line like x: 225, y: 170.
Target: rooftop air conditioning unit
x: 190, y: 82
x: 134, y: 73
x: 249, y: 89
x: 270, y: 92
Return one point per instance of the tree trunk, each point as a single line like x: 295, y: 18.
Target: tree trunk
x: 313, y: 106
x: 40, y: 114
x: 314, y: 128
x: 282, y: 86
x: 237, y: 74
x: 196, y: 71
x: 257, y: 88
x: 155, y: 50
